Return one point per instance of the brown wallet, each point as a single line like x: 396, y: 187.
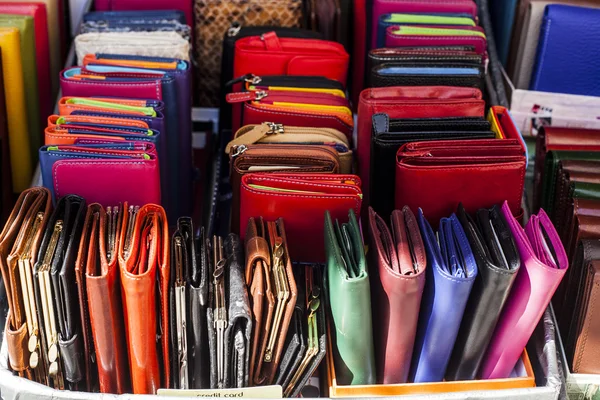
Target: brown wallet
x: 19, y: 244
x: 144, y: 261
x: 273, y: 295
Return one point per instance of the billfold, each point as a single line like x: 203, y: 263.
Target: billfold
x: 276, y: 158
x: 100, y: 300
x: 498, y: 263
x: 168, y: 44
x: 273, y: 291
x: 270, y: 133
x: 105, y: 174
x: 135, y: 17
x: 349, y: 296
x: 138, y: 107
x: 141, y: 21
x: 269, y: 54
x: 301, y: 200
x: 137, y: 9
x: 144, y: 262
x: 309, y: 332
x: 427, y: 74
x: 431, y: 36
x: 397, y: 281
x: 389, y: 135
x: 436, y: 7
x: 20, y: 240
x: 409, y: 102
x: 543, y: 264
x: 451, y: 272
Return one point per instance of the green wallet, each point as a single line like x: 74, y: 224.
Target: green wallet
x: 349, y: 294
x: 28, y: 61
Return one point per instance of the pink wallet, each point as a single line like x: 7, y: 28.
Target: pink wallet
x: 394, y: 37
x: 543, y: 265
x: 381, y: 7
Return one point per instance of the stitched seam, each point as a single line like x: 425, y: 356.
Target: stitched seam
x: 260, y: 177
x: 587, y: 331
x: 344, y: 126
x: 538, y: 75
x: 86, y: 83
x: 457, y: 231
x: 100, y: 120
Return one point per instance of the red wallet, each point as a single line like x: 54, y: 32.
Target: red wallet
x: 301, y: 200
x: 270, y: 55
x: 410, y: 102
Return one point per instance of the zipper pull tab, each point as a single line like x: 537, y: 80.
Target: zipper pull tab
x: 243, y: 97
x: 238, y: 150
x: 254, y: 135
x: 249, y: 78
x: 234, y: 29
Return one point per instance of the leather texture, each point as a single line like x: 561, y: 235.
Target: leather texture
x: 379, y: 78
x: 393, y: 39
x: 42, y: 50
x: 349, y: 294
x: 527, y: 301
x: 18, y: 127
x: 409, y: 102
x: 398, y: 263
x: 13, y: 246
x: 498, y: 263
x: 503, y: 18
x: 291, y: 199
x: 6, y: 187
x: 451, y: 272
x: 560, y: 25
x: 127, y: 5
x: 103, y: 309
x: 290, y: 56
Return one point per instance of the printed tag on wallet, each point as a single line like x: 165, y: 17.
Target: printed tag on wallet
x: 259, y: 392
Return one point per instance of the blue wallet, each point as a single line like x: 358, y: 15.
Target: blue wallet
x: 568, y: 53
x: 451, y: 271
x: 503, y: 16
x: 136, y: 17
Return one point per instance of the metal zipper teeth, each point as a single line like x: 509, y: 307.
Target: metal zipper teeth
x: 310, y: 153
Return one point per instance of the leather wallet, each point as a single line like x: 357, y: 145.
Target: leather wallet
x: 555, y: 52
x: 451, y: 272
x: 42, y: 50
x: 6, y: 186
x: 273, y: 295
x: 583, y: 323
x: 301, y: 200
x: 141, y: 108
x: 431, y: 36
x: 397, y: 278
x: 20, y: 241
x: 409, y: 102
x: 426, y: 74
x: 154, y: 15
x: 18, y: 127
x: 543, y: 261
x: 132, y: 5
x: 270, y: 133
x: 269, y: 54
x: 99, y: 285
x: 436, y: 7
x: 349, y: 296
x: 389, y: 135
x: 276, y: 158
x: 498, y: 263
x: 144, y: 263
x: 105, y: 174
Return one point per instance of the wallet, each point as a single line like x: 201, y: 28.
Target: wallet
x: 301, y: 201
x: 465, y: 8
x: 543, y: 261
x: 393, y: 19
x: 429, y: 73
x: 276, y: 158
x: 409, y: 102
x: 105, y: 174
x: 99, y: 285
x: 137, y: 8
x: 149, y: 16
x: 349, y: 296
x: 269, y: 54
x: 432, y: 36
x: 167, y: 44
x: 20, y: 241
x: 273, y: 294
x: 144, y: 263
x: 389, y: 135
x: 451, y: 272
x: 18, y: 128
x: 397, y: 278
x: 141, y: 108
x: 498, y: 263
x: 6, y: 186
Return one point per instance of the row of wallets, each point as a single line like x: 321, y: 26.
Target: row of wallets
x: 106, y: 299
x: 459, y: 304
x: 119, y: 116
x: 566, y: 181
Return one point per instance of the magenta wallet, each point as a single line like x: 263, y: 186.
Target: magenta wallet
x: 543, y: 265
x: 72, y: 86
x: 428, y: 36
x: 381, y: 7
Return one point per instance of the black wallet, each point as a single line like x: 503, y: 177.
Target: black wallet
x: 56, y: 290
x: 414, y: 73
x: 498, y: 262
x: 390, y: 135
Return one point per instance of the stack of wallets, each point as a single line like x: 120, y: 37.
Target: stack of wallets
x: 112, y: 100
x: 111, y: 300
x: 567, y: 184
x: 454, y: 304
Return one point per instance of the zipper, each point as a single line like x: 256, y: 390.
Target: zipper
x: 149, y: 111
x: 312, y: 82
x: 282, y: 150
x: 311, y: 98
x: 133, y: 211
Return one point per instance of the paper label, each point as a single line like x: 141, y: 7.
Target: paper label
x: 259, y: 392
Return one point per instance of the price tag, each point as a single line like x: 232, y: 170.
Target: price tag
x: 259, y: 392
